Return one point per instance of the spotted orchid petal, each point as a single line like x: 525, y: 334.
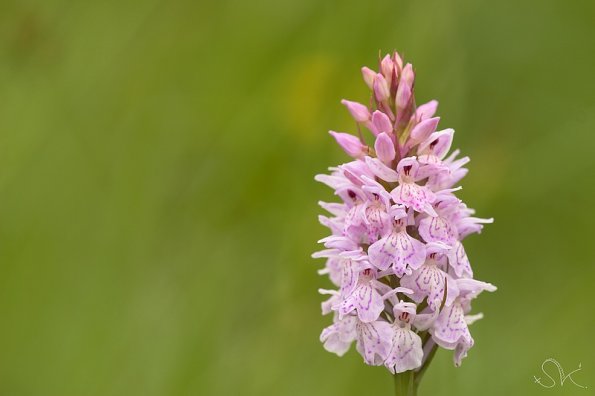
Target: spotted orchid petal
x: 450, y: 328
x: 437, y: 229
x: 397, y: 250
x: 431, y: 282
x: 337, y: 338
x: 374, y: 341
x: 406, y: 352
x: 459, y: 262
x: 365, y: 300
x: 414, y: 196
x: 350, y: 270
x: 437, y: 144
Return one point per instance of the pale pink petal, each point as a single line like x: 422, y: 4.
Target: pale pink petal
x: 368, y: 75
x: 406, y: 351
x: 403, y: 99
x: 350, y: 270
x: 397, y: 250
x: 438, y: 143
x: 337, y: 338
x: 459, y: 262
x: 382, y: 171
x: 423, y: 129
x: 426, y: 110
x: 461, y: 351
x: 381, y: 123
x: 382, y: 252
x: 359, y: 112
x: 437, y: 229
x: 377, y: 221
x: 366, y: 301
x: 388, y: 68
x: 428, y: 281
x: 414, y: 196
x: 450, y: 328
x: 381, y: 88
x: 350, y: 144
x: 374, y: 341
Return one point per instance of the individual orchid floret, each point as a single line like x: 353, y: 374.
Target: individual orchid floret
x: 338, y: 337
x: 373, y: 341
x: 376, y: 216
x: 434, y: 148
x: 397, y: 250
x: 402, y: 283
x: 408, y: 192
x: 406, y: 351
x: 430, y: 281
x: 440, y: 228
x: 451, y: 330
x: 365, y: 299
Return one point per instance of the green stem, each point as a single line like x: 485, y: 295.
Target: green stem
x: 423, y: 368
x: 404, y: 384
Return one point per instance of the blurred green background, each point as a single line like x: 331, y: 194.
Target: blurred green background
x: 158, y: 207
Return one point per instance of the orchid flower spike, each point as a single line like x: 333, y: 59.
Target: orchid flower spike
x: 402, y: 280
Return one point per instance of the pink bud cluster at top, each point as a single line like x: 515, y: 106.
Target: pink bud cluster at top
x: 403, y: 281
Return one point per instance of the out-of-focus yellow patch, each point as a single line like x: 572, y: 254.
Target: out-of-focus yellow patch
x: 304, y: 87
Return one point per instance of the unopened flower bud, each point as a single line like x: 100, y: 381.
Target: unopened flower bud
x: 398, y: 61
x: 385, y: 148
x: 351, y: 144
x: 408, y: 75
x: 358, y: 111
x: 387, y: 67
x: 381, y: 88
x: 369, y: 76
x: 381, y: 123
x: 403, y: 97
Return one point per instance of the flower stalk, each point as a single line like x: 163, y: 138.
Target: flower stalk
x: 404, y: 384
